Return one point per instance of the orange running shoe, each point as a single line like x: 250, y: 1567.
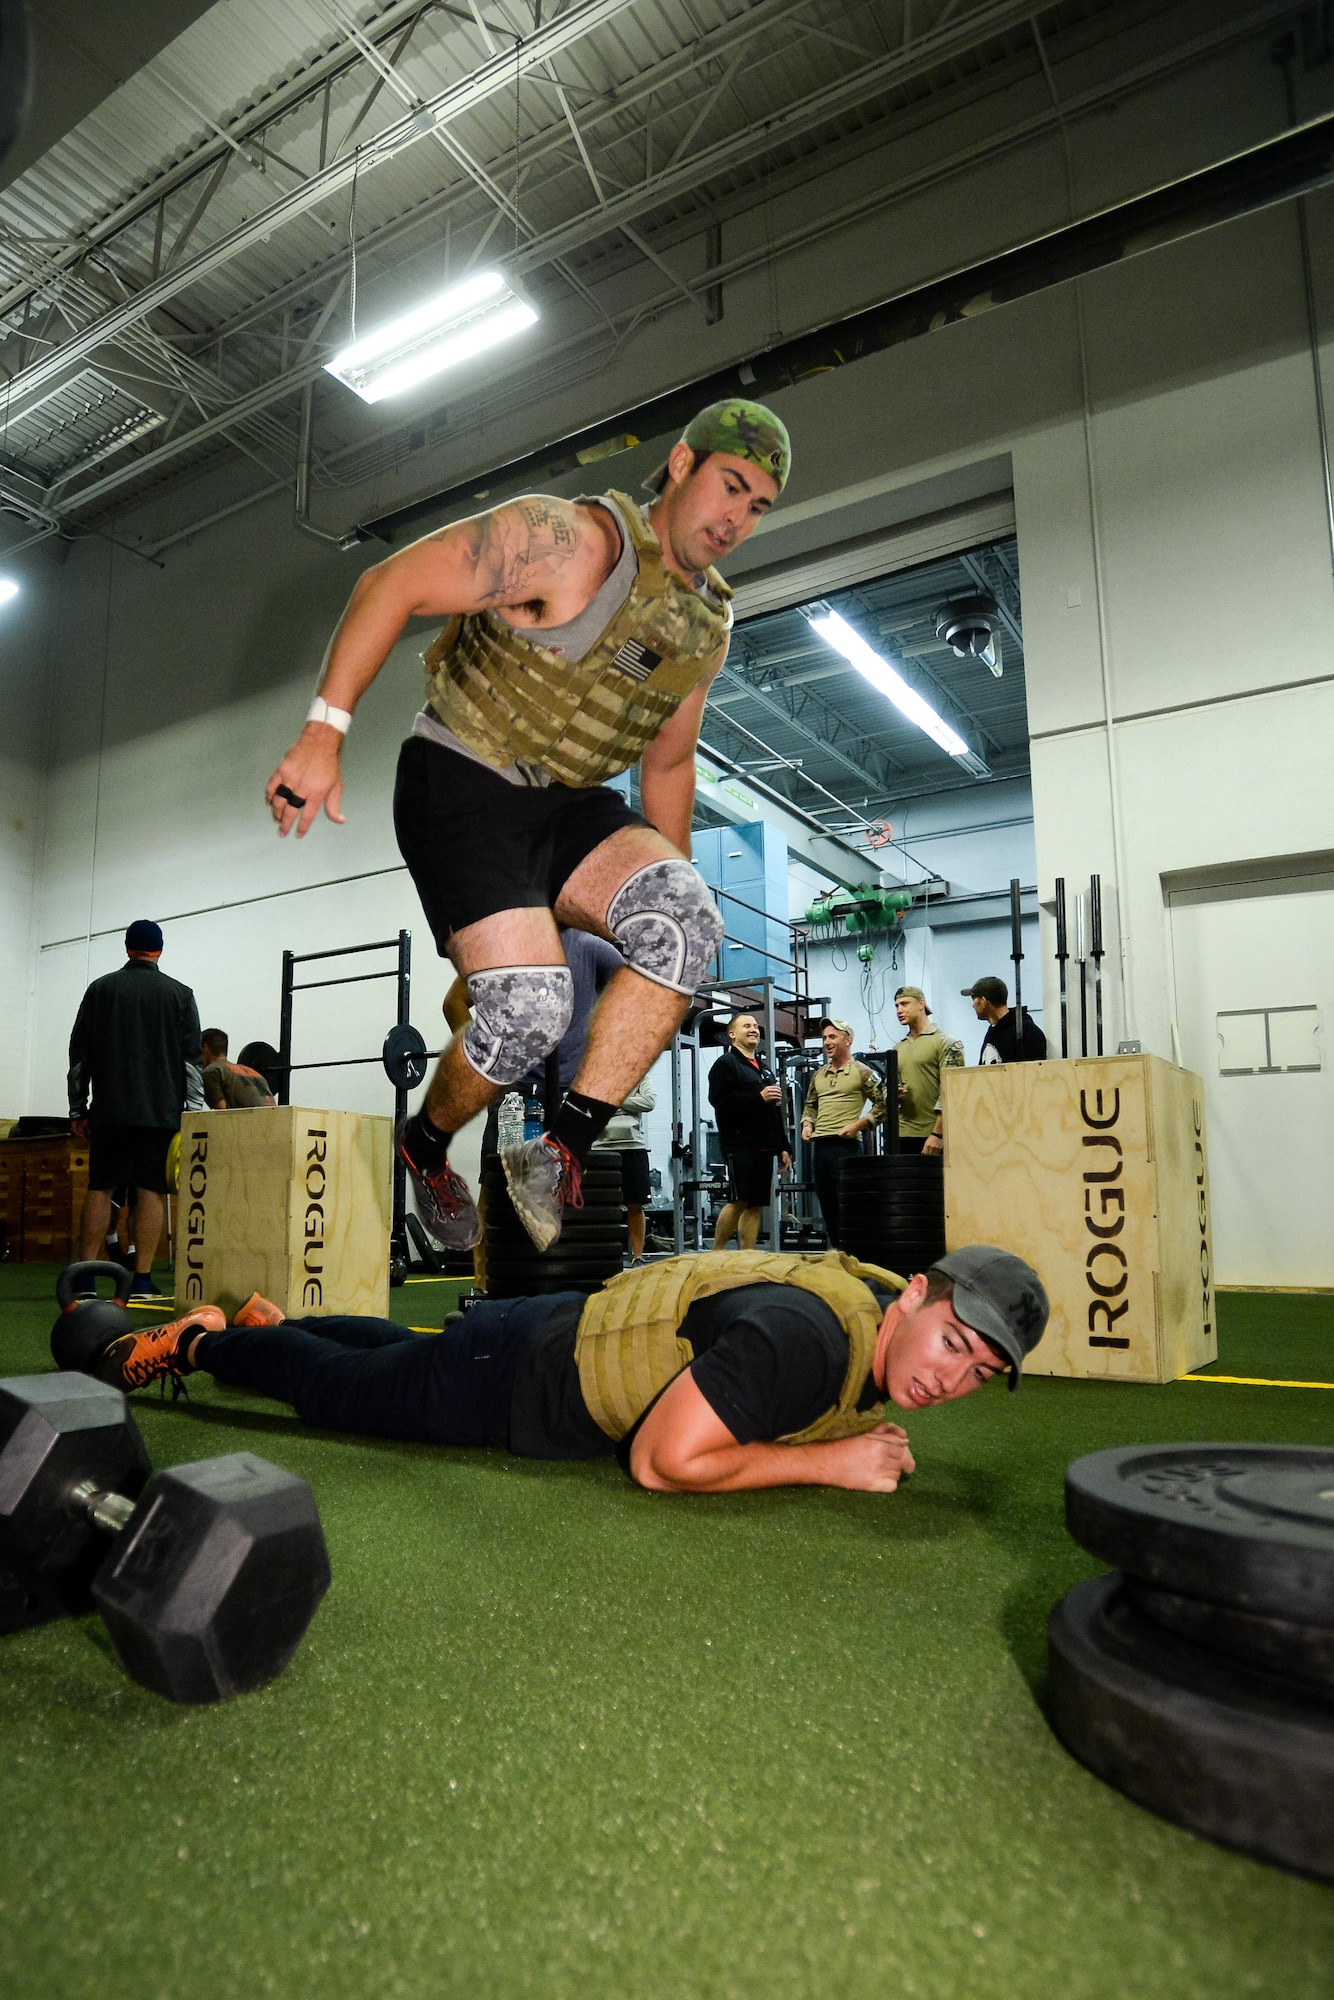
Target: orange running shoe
x: 158, y: 1353
x: 258, y: 1312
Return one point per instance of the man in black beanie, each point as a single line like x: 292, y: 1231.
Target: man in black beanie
x: 135, y: 1049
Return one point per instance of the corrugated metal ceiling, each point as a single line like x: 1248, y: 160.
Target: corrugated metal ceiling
x: 661, y: 115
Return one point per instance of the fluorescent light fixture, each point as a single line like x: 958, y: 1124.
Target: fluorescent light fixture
x: 438, y: 334
x: 839, y: 634
x: 8, y: 589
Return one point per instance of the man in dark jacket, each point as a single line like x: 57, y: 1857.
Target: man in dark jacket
x: 1003, y: 1042
x: 135, y: 1047
x: 748, y: 1105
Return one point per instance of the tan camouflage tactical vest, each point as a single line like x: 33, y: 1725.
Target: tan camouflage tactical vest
x: 628, y: 1349
x: 583, y: 721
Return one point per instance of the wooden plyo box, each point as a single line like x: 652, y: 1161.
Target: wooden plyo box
x: 1094, y: 1170
x: 291, y: 1203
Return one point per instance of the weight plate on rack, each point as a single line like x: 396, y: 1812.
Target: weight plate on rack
x: 404, y: 1056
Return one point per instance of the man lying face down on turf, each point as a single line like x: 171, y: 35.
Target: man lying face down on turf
x: 705, y: 1374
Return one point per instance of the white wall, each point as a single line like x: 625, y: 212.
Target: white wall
x: 175, y: 692
x: 1189, y: 524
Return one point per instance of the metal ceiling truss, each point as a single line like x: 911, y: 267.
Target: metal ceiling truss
x: 582, y: 135
x: 476, y: 408
x: 719, y: 56
x: 1273, y: 171
x: 819, y: 725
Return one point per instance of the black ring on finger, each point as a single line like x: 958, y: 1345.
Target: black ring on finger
x: 291, y: 797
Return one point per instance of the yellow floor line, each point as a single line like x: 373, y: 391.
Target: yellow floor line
x: 1255, y: 1382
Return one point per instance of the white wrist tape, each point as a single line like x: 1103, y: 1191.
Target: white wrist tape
x: 337, y: 718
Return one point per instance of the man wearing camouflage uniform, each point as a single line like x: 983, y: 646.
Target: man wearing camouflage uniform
x: 581, y: 638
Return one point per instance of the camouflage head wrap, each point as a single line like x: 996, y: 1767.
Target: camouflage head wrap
x: 743, y: 430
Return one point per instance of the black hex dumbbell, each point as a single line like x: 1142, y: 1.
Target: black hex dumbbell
x: 215, y: 1569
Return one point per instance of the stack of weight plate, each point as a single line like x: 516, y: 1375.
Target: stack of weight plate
x: 891, y: 1210
x: 589, y: 1250
x: 1199, y: 1679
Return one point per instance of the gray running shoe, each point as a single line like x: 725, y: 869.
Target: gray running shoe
x: 444, y: 1203
x: 543, y: 1180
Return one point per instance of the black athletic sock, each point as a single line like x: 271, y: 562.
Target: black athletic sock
x: 579, y: 1122
x: 425, y: 1145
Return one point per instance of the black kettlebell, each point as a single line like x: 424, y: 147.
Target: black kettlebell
x: 86, y: 1325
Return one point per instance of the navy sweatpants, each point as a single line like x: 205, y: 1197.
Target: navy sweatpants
x: 380, y: 1380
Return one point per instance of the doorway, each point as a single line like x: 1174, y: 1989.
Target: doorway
x: 1253, y: 976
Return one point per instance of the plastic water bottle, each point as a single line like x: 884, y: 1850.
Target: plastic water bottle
x: 510, y: 1128
x: 534, y: 1118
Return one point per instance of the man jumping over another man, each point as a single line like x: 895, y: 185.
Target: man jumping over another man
x: 581, y: 638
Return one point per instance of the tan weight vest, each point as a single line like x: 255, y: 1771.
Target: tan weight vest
x: 628, y: 1349
x: 583, y: 721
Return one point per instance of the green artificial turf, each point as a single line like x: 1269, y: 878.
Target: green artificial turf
x: 551, y: 1735
x: 1273, y: 1334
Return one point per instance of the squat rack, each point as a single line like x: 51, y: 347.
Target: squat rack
x: 401, y: 973
x: 769, y: 996
x: 784, y: 987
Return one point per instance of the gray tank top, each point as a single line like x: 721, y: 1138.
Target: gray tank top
x: 571, y: 640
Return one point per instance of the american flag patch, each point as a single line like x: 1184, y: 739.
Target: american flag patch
x: 636, y: 659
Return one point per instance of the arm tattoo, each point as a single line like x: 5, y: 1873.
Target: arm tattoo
x: 515, y: 549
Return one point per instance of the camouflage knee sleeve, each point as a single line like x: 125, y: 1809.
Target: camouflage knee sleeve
x: 666, y: 924
x: 519, y: 1013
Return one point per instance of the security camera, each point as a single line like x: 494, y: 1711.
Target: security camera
x: 968, y: 625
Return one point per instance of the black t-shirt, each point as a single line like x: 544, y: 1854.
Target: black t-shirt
x: 769, y: 1359
x: 1000, y: 1044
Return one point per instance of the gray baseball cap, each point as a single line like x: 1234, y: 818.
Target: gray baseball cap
x: 999, y: 1296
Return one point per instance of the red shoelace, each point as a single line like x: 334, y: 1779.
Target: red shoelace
x: 570, y: 1186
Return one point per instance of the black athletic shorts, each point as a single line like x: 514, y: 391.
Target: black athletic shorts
x: 476, y: 845
x: 131, y: 1156
x: 748, y: 1175
x: 636, y: 1187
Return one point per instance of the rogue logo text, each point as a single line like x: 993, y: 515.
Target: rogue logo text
x: 1106, y: 1269
x: 194, y: 1186
x: 317, y: 1181
x: 1202, y: 1210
